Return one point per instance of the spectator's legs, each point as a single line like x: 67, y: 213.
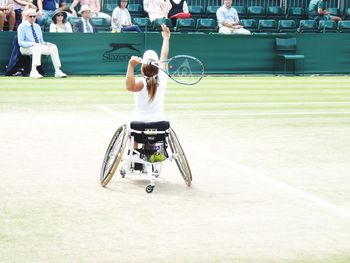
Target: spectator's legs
x: 2, y: 20
x: 48, y: 49
x: 336, y: 18
x: 12, y: 20
x: 241, y: 31
x: 225, y: 30
x: 18, y: 13
x: 36, y: 52
x: 53, y: 52
x: 132, y: 28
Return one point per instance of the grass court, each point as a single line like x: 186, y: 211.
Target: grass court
x: 270, y: 159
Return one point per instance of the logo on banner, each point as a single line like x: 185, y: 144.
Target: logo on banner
x: 120, y: 52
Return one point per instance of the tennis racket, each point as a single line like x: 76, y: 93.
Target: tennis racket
x: 183, y: 69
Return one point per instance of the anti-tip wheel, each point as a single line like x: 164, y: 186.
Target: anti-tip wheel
x: 149, y: 188
x: 122, y: 172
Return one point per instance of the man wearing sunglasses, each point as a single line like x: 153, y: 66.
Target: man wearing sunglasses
x: 31, y: 42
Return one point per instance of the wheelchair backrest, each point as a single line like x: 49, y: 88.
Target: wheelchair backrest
x: 149, y: 132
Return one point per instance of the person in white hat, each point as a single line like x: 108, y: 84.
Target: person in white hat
x: 149, y: 90
x: 94, y: 6
x: 59, y: 22
x: 85, y: 25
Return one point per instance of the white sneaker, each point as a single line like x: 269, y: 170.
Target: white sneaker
x: 35, y: 74
x: 60, y: 74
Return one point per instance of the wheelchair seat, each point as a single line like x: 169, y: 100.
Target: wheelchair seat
x: 149, y: 132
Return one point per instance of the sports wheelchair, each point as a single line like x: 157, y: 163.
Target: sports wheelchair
x: 140, y: 148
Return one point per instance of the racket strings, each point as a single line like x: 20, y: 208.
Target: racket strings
x: 185, y: 70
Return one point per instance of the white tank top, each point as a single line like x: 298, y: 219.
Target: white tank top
x: 151, y: 111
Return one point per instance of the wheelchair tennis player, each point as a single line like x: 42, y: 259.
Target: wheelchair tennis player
x: 149, y: 134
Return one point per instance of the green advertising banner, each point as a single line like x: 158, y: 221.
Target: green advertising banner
x: 108, y: 54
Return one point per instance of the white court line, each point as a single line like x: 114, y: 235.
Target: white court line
x: 225, y: 113
x: 193, y: 104
x: 250, y: 172
x: 113, y: 112
x: 230, y: 113
x: 290, y: 189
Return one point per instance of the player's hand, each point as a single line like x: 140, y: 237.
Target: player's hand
x: 134, y: 60
x: 165, y: 32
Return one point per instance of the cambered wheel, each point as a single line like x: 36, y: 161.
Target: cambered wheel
x: 180, y: 157
x: 149, y: 188
x: 113, y: 155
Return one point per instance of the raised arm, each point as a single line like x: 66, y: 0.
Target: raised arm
x: 130, y: 82
x: 165, y: 46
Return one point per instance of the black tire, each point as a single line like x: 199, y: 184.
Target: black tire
x: 149, y: 189
x: 113, y: 155
x: 180, y: 157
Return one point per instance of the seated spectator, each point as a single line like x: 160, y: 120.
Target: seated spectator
x: 94, y: 5
x: 7, y: 14
x: 85, y: 25
x: 59, y: 22
x: 121, y: 19
x: 317, y: 11
x: 156, y: 8
x: 46, y: 8
x: 229, y: 21
x: 179, y: 9
x: 19, y: 6
x: 31, y: 42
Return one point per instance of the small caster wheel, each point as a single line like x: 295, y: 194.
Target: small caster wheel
x: 149, y: 188
x: 122, y: 172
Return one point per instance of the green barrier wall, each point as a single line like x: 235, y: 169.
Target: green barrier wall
x: 106, y: 54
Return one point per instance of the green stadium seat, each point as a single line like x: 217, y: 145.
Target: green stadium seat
x: 346, y: 15
x: 275, y: 12
x: 296, y: 13
x: 241, y: 11
x: 196, y: 11
x: 207, y: 25
x: 185, y: 25
x: 286, y: 50
x: 344, y: 26
x: 308, y: 26
x: 249, y: 24
x: 327, y: 26
x: 144, y: 23
x: 287, y: 26
x: 47, y: 24
x: 102, y: 24
x: 108, y: 8
x: 267, y: 25
x: 256, y: 12
x: 73, y: 20
x: 211, y: 11
x: 136, y: 10
x: 334, y: 11
x: 159, y: 21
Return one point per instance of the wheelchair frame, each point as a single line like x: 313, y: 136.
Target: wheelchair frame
x: 121, y: 153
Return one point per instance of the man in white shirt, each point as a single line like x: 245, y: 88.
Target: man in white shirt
x: 31, y: 42
x: 229, y: 21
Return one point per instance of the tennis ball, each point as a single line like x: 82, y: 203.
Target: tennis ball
x: 157, y: 157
